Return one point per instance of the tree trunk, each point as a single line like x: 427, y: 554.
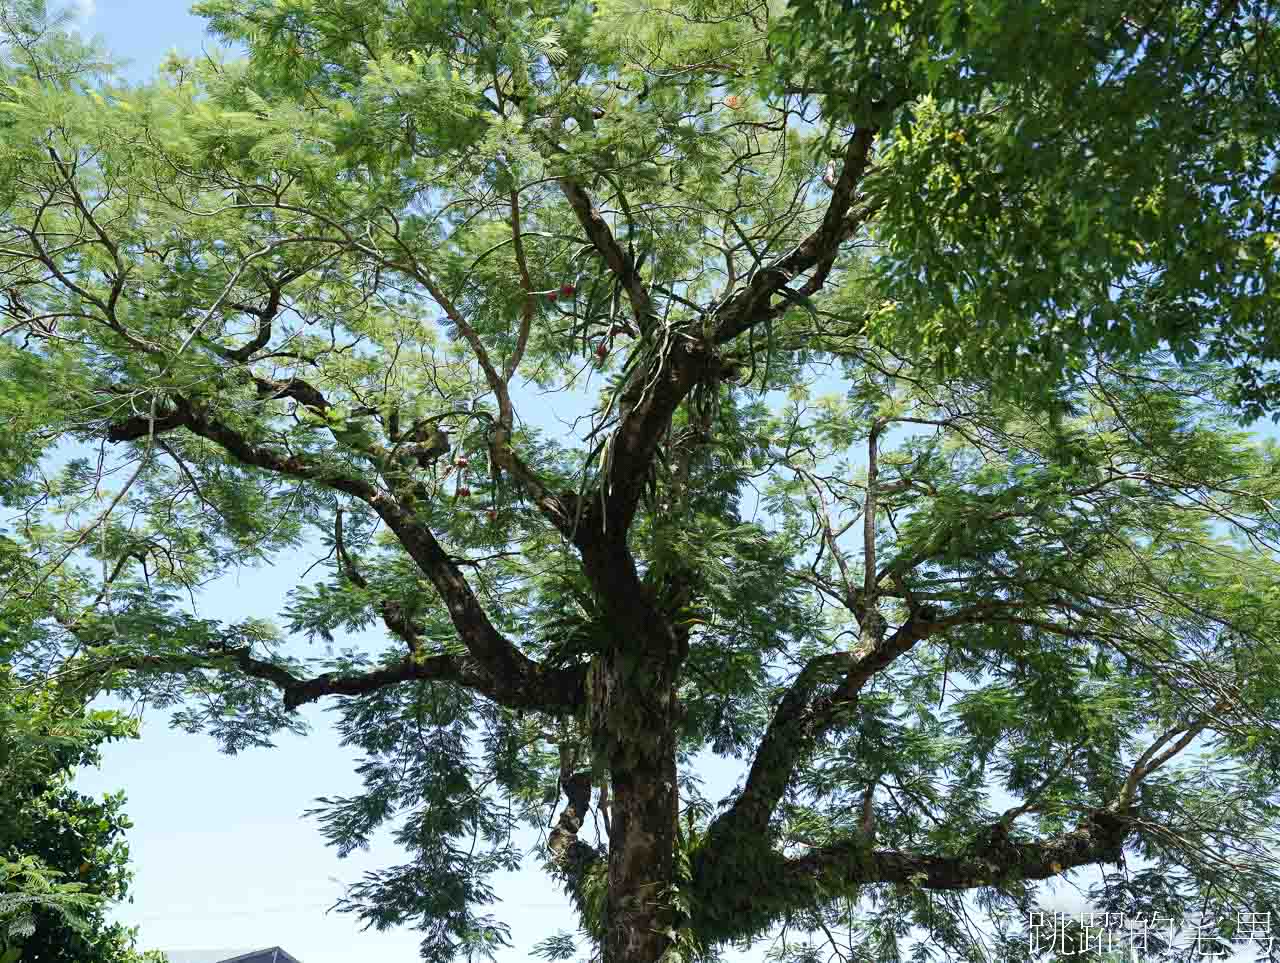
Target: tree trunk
x: 633, y: 716
x: 633, y: 712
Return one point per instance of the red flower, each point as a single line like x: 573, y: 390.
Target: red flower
x: 568, y: 290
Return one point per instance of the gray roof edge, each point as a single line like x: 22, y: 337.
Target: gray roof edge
x: 280, y: 956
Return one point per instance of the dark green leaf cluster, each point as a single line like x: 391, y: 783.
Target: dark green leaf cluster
x: 63, y: 854
x: 1060, y: 177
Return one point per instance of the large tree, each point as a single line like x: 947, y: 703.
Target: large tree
x: 965, y: 634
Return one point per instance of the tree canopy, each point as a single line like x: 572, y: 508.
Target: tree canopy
x: 849, y: 489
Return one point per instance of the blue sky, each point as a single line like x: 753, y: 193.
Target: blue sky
x: 142, y: 32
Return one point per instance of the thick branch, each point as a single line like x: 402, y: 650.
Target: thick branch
x: 559, y: 508
x: 571, y: 859
x: 803, y: 717
x: 299, y: 691
x: 265, y: 315
x: 991, y: 861
x: 303, y: 392
x: 648, y: 407
x: 135, y: 428
x: 618, y: 261
x: 742, y: 886
x: 750, y: 306
x: 557, y: 692
x: 657, y: 390
x: 186, y: 415
x: 501, y: 660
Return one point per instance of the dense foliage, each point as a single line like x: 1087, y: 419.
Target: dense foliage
x: 63, y: 858
x: 968, y: 624
x: 1065, y: 174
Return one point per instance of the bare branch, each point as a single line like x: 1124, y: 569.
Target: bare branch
x: 803, y: 717
x: 526, y: 313
x: 618, y: 261
x: 750, y: 306
x: 1152, y: 759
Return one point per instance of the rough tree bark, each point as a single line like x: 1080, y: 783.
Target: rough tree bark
x: 633, y: 706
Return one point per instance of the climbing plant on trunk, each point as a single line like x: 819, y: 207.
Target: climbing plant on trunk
x: 965, y: 632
